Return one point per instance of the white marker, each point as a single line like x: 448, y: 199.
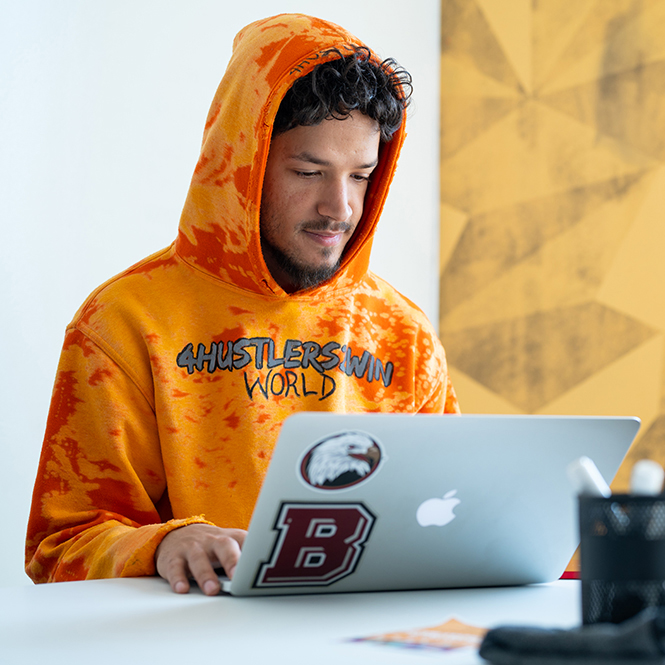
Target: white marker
x: 646, y: 478
x: 589, y: 481
x: 586, y: 478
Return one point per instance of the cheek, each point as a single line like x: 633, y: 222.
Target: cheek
x: 280, y: 213
x: 292, y: 202
x: 273, y: 195
x: 357, y: 203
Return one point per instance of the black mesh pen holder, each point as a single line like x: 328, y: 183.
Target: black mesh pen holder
x: 622, y: 556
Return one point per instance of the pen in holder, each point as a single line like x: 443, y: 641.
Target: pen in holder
x: 622, y: 555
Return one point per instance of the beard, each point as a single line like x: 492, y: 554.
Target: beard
x: 302, y: 276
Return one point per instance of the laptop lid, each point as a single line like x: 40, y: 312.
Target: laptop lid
x: 360, y: 502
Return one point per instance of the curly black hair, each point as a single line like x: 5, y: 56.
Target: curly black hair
x: 348, y: 83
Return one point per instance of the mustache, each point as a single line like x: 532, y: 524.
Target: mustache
x: 325, y: 225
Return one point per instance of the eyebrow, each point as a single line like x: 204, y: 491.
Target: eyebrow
x: 313, y: 159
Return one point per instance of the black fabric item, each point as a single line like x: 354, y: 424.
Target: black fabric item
x: 639, y: 640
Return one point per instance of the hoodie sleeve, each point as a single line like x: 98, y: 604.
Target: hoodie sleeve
x: 100, y: 503
x: 451, y: 405
x: 443, y: 400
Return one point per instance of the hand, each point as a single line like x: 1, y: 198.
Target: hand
x: 195, y: 550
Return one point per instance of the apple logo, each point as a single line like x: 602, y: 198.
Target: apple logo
x: 438, y: 512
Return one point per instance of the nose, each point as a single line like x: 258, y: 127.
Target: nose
x: 334, y: 202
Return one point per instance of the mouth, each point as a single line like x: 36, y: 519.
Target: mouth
x: 325, y: 238
x: 326, y: 235
x: 357, y: 456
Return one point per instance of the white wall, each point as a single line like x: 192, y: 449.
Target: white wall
x: 102, y: 106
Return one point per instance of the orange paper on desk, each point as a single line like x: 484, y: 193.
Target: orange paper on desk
x: 452, y: 634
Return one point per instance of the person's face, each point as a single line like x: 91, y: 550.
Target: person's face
x: 313, y: 195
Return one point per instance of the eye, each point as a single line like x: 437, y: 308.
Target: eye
x: 361, y: 177
x: 306, y: 174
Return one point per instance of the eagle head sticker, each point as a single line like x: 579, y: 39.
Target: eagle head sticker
x: 340, y: 460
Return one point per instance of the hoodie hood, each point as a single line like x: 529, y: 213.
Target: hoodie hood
x: 219, y: 227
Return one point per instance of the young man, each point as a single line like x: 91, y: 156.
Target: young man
x: 176, y: 375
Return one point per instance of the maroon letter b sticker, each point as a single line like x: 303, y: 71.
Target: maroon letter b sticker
x: 318, y: 544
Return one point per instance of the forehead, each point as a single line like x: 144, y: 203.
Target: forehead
x: 352, y: 141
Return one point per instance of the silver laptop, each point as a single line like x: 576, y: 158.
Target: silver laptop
x: 360, y: 502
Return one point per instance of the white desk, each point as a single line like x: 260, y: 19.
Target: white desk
x: 141, y: 621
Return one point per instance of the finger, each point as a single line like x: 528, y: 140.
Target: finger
x: 227, y: 551
x: 175, y: 573
x: 200, y: 566
x: 239, y: 536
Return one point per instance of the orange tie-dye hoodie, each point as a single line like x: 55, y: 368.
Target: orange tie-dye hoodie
x: 176, y: 375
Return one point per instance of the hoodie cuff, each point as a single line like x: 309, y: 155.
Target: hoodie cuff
x: 142, y: 562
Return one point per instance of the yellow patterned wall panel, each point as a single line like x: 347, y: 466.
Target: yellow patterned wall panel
x: 553, y: 209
